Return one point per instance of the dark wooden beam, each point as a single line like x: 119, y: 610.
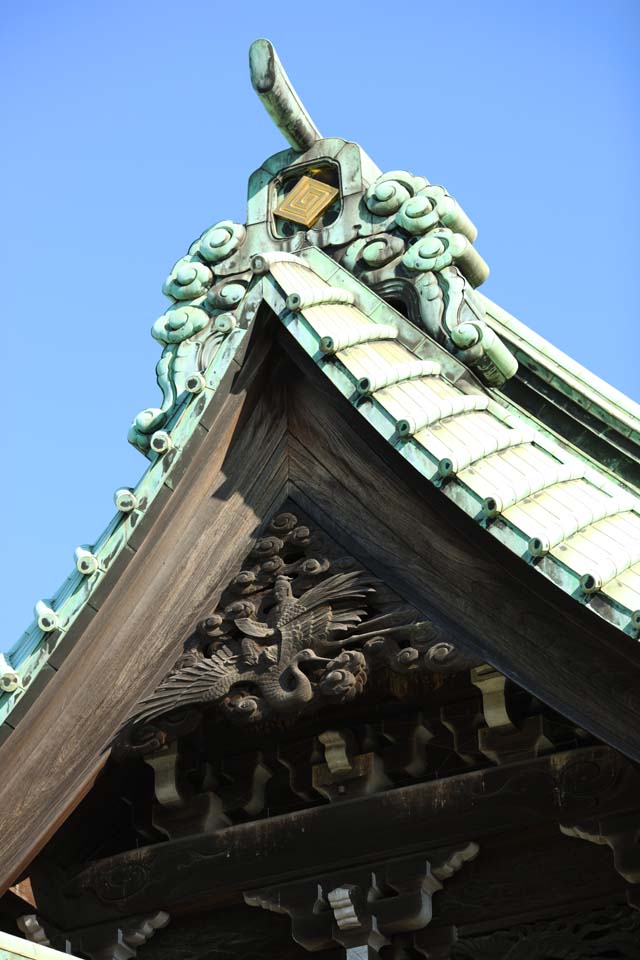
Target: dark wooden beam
x: 205, y: 869
x: 526, y: 875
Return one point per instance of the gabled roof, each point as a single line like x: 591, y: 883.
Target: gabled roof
x: 544, y: 498
x: 379, y: 294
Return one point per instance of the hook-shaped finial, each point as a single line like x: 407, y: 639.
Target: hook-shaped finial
x: 281, y: 101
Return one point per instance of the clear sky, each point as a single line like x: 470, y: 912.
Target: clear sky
x: 131, y: 127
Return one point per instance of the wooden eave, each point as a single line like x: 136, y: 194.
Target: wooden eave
x: 233, y: 473
x: 549, y: 471
x: 209, y: 869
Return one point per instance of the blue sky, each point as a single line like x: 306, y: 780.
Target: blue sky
x: 131, y: 127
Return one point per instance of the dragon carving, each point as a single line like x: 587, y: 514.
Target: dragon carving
x: 291, y: 632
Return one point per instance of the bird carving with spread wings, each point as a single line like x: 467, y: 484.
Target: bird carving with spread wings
x: 268, y: 664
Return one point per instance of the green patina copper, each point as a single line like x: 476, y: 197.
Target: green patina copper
x: 615, y: 411
x: 401, y: 247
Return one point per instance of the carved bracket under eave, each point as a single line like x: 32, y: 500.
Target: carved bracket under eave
x: 110, y: 941
x: 621, y: 834
x: 365, y: 906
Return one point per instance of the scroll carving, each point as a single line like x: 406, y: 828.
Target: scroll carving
x: 205, y: 309
x: 621, y: 834
x: 416, y: 246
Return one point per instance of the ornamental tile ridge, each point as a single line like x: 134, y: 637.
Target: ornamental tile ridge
x: 407, y: 239
x: 402, y: 246
x: 395, y: 232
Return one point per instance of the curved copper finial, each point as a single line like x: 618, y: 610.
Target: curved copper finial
x: 281, y: 101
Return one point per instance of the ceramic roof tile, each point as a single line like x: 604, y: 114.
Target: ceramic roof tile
x: 449, y: 439
x: 376, y: 361
x: 512, y: 474
x: 625, y: 588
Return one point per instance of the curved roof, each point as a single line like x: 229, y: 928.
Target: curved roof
x: 380, y: 296
x: 435, y: 384
x: 552, y: 508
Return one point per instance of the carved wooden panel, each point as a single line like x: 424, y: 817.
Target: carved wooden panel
x: 299, y: 627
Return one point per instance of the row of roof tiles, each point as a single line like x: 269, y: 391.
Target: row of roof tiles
x: 570, y: 520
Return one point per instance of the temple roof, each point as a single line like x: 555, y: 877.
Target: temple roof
x: 380, y: 294
x: 333, y: 353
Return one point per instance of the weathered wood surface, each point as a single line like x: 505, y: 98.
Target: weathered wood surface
x: 398, y: 822
x: 234, y: 932
x: 204, y: 869
x: 432, y: 554
x: 311, y: 442
x: 235, y: 478
x: 524, y: 875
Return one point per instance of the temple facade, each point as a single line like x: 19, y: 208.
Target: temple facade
x: 355, y: 670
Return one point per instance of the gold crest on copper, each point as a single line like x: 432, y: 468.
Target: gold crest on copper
x: 307, y: 201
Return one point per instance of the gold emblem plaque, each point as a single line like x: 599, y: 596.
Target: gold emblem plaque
x: 307, y: 201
